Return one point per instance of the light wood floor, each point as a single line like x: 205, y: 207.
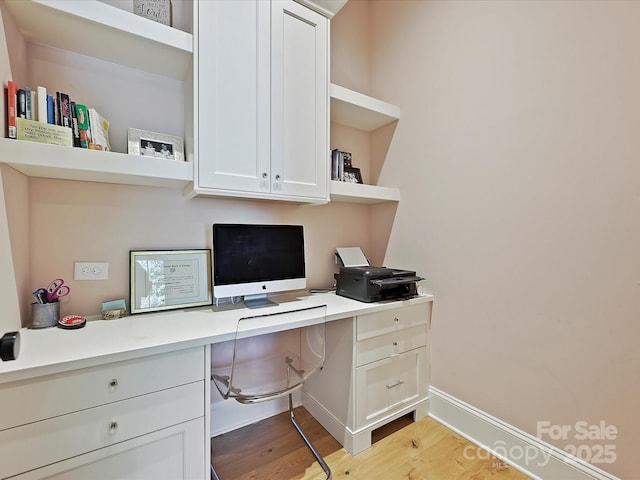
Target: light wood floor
x: 424, y: 450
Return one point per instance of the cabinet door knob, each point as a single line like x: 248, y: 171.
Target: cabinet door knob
x: 113, y: 426
x: 277, y: 178
x: 396, y: 319
x: 113, y: 383
x: 265, y: 175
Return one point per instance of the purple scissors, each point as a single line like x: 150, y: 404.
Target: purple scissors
x: 57, y: 289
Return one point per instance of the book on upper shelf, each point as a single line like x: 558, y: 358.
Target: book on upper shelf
x: 74, y: 125
x: 64, y: 109
x: 99, y: 127
x: 21, y: 104
x: 82, y: 113
x: 337, y: 164
x: 28, y: 109
x: 339, y: 160
x: 12, y: 92
x: 51, y: 109
x: 41, y: 100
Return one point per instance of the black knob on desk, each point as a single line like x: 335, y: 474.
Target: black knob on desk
x: 10, y: 346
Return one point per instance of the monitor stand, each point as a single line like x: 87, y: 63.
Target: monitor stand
x: 258, y: 301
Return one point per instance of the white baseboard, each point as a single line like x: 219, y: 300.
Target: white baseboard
x: 524, y: 452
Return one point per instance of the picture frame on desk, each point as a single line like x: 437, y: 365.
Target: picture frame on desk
x: 352, y: 175
x: 153, y: 144
x: 169, y: 279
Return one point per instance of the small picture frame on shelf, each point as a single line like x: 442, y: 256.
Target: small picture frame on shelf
x: 352, y: 175
x: 152, y: 144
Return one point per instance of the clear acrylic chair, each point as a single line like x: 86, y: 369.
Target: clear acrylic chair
x: 258, y: 366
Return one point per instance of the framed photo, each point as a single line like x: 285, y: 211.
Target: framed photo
x: 154, y: 144
x: 169, y: 279
x: 352, y: 175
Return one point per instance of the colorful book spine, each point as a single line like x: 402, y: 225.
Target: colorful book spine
x: 99, y: 127
x: 74, y: 125
x: 64, y: 109
x: 12, y: 111
x: 82, y: 113
x: 41, y: 97
x: 51, y: 109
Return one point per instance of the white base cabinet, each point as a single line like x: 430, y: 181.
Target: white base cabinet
x: 376, y: 370
x: 141, y: 418
x: 173, y: 452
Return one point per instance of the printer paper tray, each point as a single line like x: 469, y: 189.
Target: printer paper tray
x: 395, y: 280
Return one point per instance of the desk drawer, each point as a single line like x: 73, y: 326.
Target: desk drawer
x: 387, y: 321
x: 42, y: 443
x: 386, y: 386
x: 391, y: 344
x: 40, y: 398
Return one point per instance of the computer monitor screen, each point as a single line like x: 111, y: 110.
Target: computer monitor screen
x: 256, y: 260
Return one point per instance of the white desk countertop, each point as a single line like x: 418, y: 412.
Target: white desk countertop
x: 53, y: 350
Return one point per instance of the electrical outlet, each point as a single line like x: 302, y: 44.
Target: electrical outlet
x: 91, y: 271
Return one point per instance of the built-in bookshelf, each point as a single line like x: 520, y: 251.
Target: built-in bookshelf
x: 104, y: 32
x: 353, y: 109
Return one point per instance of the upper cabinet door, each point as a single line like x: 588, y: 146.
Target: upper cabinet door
x: 299, y: 100
x: 232, y: 96
x: 262, y: 101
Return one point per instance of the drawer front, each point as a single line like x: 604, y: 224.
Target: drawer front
x: 42, y: 443
x: 387, y: 386
x: 391, y: 344
x: 387, y: 321
x: 40, y: 398
x: 176, y: 453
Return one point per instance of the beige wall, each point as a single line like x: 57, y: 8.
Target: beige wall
x: 80, y: 221
x: 518, y: 158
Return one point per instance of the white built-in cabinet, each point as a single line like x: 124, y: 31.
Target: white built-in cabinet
x: 376, y: 370
x: 262, y: 101
x: 135, y: 419
x: 253, y: 82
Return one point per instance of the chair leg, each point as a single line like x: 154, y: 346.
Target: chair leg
x: 319, y: 458
x: 214, y: 474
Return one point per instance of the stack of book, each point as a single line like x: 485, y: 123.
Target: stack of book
x: 339, y: 160
x: 37, y: 116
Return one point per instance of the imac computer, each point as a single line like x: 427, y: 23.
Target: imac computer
x: 254, y: 261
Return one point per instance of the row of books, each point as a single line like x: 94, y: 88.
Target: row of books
x: 37, y: 116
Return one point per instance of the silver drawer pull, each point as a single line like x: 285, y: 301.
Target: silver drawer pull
x: 396, y: 319
x: 113, y: 426
x: 393, y: 385
x: 113, y: 383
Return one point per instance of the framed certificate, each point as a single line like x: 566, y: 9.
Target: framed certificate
x: 169, y: 279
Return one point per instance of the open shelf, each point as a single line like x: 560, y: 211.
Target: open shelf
x: 54, y: 161
x: 360, y: 111
x: 102, y: 31
x: 365, y: 113
x: 358, y: 193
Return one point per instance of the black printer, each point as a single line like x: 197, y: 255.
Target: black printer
x: 372, y: 284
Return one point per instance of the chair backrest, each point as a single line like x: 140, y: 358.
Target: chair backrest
x: 271, y: 355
